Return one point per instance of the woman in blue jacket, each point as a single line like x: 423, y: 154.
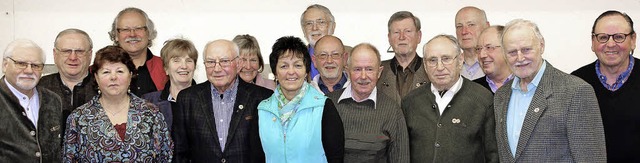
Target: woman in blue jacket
x: 298, y: 123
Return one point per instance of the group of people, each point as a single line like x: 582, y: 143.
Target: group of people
x: 484, y: 95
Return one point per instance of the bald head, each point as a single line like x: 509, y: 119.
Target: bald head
x: 470, y: 22
x: 329, y: 57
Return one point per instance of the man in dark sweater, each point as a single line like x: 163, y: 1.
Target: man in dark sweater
x: 614, y: 77
x: 375, y: 129
x: 450, y: 119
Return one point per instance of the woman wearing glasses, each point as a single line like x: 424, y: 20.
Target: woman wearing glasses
x: 251, y: 61
x: 179, y: 58
x: 116, y: 126
x: 298, y: 123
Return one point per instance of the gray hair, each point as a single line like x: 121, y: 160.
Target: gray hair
x: 482, y: 13
x: 365, y: 46
x: 322, y: 8
x: 151, y: 28
x: 451, y: 38
x: 401, y: 15
x: 23, y: 43
x: 526, y: 23
x: 74, y: 30
x: 235, y: 48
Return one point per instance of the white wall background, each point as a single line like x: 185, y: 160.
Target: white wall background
x: 566, y: 25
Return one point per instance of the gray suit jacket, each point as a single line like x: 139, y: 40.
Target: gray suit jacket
x: 562, y: 124
x: 387, y: 83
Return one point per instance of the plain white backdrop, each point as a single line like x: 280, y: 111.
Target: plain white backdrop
x: 565, y: 24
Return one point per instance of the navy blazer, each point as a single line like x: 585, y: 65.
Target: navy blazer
x: 195, y: 133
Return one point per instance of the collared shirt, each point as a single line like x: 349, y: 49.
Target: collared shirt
x: 314, y: 71
x: 518, y: 106
x: 31, y: 105
x: 404, y: 76
x: 472, y: 72
x: 223, y: 110
x: 446, y: 98
x: 620, y: 80
x: 495, y: 87
x: 338, y: 85
x: 348, y: 94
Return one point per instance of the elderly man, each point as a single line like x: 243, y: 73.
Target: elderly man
x: 134, y: 32
x: 317, y: 22
x: 31, y: 116
x: 329, y: 59
x: 374, y: 124
x: 614, y: 77
x: 451, y: 119
x: 470, y: 21
x: 73, y: 83
x: 216, y: 121
x: 491, y: 57
x: 404, y: 72
x: 544, y: 114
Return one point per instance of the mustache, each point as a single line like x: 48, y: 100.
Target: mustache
x: 133, y: 39
x: 363, y: 81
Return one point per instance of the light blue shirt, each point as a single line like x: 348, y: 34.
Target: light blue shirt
x: 518, y: 106
x: 223, y: 110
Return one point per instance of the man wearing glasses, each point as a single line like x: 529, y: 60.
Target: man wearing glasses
x: 317, y: 22
x: 134, y: 32
x: 491, y: 58
x: 544, y: 114
x: 451, y: 119
x: 216, y: 121
x: 330, y: 59
x: 72, y: 54
x: 30, y: 116
x: 615, y: 79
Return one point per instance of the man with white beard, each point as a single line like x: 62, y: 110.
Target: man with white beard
x: 31, y: 116
x: 329, y: 59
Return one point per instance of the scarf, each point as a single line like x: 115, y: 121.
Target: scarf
x: 287, y: 109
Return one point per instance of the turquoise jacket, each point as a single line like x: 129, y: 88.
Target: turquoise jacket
x: 302, y: 141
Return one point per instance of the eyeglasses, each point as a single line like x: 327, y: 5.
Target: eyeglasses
x: 222, y: 62
x: 603, y: 37
x: 324, y: 56
x: 446, y: 60
x: 134, y: 30
x: 67, y: 52
x: 320, y: 22
x: 24, y: 65
x: 524, y: 51
x: 487, y: 48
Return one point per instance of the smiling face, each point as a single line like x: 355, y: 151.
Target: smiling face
x: 469, y: 23
x: 23, y: 79
x: 314, y: 31
x: 491, y: 57
x: 404, y: 37
x: 136, y: 39
x: 221, y: 76
x: 613, y: 54
x: 290, y: 72
x: 250, y: 67
x: 113, y: 79
x: 364, y: 71
x: 325, y: 51
x: 72, y: 55
x: 180, y: 69
x: 523, y: 51
x: 442, y: 75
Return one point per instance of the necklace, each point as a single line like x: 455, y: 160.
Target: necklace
x: 113, y: 114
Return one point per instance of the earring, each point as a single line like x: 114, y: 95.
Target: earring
x: 129, y: 90
x: 99, y: 92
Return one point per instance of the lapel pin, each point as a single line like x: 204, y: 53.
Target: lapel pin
x: 241, y: 107
x: 536, y: 110
x: 455, y: 120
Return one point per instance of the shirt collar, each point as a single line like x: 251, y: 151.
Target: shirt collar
x: 348, y: 94
x: 233, y: 88
x: 621, y: 78
x: 338, y: 85
x: 414, y: 65
x: 452, y: 91
x: 17, y: 93
x: 534, y: 83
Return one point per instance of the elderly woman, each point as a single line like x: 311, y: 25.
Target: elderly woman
x: 179, y: 57
x: 252, y: 63
x: 298, y: 123
x: 116, y: 126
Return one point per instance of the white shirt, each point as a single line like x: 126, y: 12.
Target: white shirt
x: 348, y: 94
x: 31, y: 105
x: 446, y: 98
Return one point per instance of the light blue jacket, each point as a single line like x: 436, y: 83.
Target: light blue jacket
x: 302, y: 141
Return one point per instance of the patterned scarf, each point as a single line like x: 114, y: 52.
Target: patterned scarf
x: 288, y: 109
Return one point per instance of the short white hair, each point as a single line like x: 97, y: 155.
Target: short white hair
x: 23, y: 43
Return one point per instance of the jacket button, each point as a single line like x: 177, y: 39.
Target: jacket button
x: 223, y: 160
x: 38, y: 154
x: 437, y: 145
x: 33, y: 133
x: 24, y: 114
x: 439, y: 125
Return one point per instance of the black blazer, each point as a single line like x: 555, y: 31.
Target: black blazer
x: 194, y: 130
x: 483, y: 82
